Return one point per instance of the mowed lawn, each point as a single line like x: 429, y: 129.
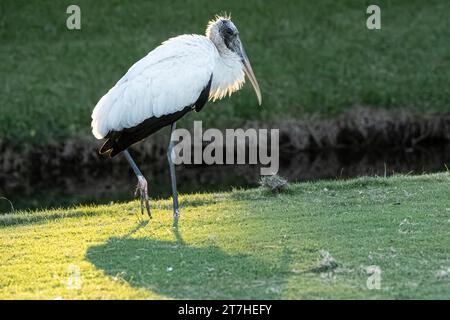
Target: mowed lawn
x: 309, y: 57
x: 242, y: 244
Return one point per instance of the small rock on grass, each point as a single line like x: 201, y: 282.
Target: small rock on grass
x: 442, y: 274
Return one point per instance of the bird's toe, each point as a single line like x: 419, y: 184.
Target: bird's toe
x: 142, y: 189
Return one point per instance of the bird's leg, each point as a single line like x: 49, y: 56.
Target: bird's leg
x: 142, y: 183
x: 173, y: 177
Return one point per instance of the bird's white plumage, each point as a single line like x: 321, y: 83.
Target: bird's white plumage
x: 168, y: 79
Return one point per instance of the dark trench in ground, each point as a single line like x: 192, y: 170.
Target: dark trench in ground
x: 45, y: 186
x: 361, y: 142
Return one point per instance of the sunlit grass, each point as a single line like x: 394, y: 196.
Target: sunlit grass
x: 243, y: 244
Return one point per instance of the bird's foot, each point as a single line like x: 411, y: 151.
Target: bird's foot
x: 143, y: 193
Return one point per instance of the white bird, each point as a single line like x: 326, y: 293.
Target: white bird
x: 178, y: 76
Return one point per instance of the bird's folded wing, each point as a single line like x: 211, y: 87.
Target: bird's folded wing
x: 167, y: 80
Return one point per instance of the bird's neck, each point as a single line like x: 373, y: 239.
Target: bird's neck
x: 228, y: 75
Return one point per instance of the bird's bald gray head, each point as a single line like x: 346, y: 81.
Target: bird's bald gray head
x: 225, y: 36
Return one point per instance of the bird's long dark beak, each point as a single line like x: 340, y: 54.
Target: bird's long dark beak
x: 249, y: 73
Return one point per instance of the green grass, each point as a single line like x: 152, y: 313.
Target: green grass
x: 308, y: 56
x: 243, y: 244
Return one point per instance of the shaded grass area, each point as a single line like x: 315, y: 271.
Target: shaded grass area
x: 308, y: 56
x: 243, y: 244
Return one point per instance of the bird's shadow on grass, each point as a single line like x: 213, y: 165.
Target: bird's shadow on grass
x: 181, y: 271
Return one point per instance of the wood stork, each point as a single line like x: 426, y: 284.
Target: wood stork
x: 180, y: 75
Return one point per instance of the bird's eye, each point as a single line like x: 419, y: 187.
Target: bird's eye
x: 229, y: 32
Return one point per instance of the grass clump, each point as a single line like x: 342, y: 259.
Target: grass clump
x: 326, y: 262
x: 274, y: 183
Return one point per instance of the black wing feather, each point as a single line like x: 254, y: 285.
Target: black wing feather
x: 203, y: 98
